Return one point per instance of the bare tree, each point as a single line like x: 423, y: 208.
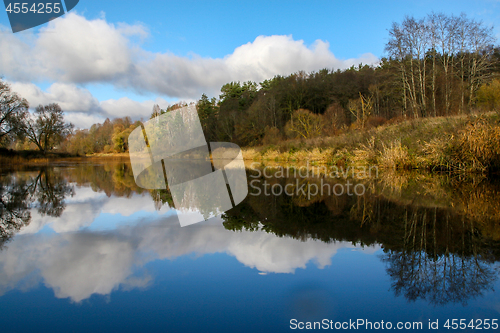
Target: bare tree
x: 460, y: 50
x: 47, y: 128
x: 397, y: 49
x: 432, y: 32
x: 13, y: 111
x: 480, y: 40
x: 361, y: 109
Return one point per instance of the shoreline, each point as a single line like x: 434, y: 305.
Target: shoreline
x: 465, y: 143
x: 9, y: 158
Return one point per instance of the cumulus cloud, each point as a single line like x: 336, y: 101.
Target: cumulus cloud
x: 73, y: 49
x: 83, y: 268
x: 83, y: 120
x: 81, y: 107
x: 127, y: 107
x: 267, y: 56
x: 68, y: 96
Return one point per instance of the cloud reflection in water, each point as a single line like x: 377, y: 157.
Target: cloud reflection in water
x: 77, y: 260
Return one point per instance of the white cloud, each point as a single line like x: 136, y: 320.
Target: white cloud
x: 271, y: 55
x: 77, y: 265
x: 76, y: 50
x: 81, y: 107
x: 127, y: 107
x: 73, y: 265
x: 83, y: 120
x: 69, y: 96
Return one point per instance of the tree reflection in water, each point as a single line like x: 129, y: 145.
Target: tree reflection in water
x: 450, y: 278
x: 440, y: 235
x: 445, y: 263
x: 441, y: 253
x: 48, y: 191
x: 19, y: 192
x: 14, y: 206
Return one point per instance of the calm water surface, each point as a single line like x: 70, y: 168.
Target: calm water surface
x: 82, y: 248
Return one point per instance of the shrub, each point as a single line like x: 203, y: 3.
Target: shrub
x: 396, y: 120
x: 333, y: 119
x: 476, y: 148
x: 479, y: 143
x: 272, y: 136
x: 488, y: 96
x: 304, y: 124
x: 107, y: 149
x: 396, y: 156
x: 375, y: 121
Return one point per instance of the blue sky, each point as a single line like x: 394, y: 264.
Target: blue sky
x: 215, y: 28
x: 114, y: 58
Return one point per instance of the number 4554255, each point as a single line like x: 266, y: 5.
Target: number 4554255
x: 36, y: 8
x: 478, y: 324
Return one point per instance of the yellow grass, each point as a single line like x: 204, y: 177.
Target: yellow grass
x: 459, y: 143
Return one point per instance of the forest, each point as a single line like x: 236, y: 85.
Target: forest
x: 436, y: 66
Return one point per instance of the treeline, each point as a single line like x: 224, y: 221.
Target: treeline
x: 109, y: 137
x: 436, y: 66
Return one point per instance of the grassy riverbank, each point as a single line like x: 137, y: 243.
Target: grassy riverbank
x: 468, y: 143
x: 9, y: 157
x: 459, y: 143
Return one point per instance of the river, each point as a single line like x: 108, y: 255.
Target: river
x: 83, y: 248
